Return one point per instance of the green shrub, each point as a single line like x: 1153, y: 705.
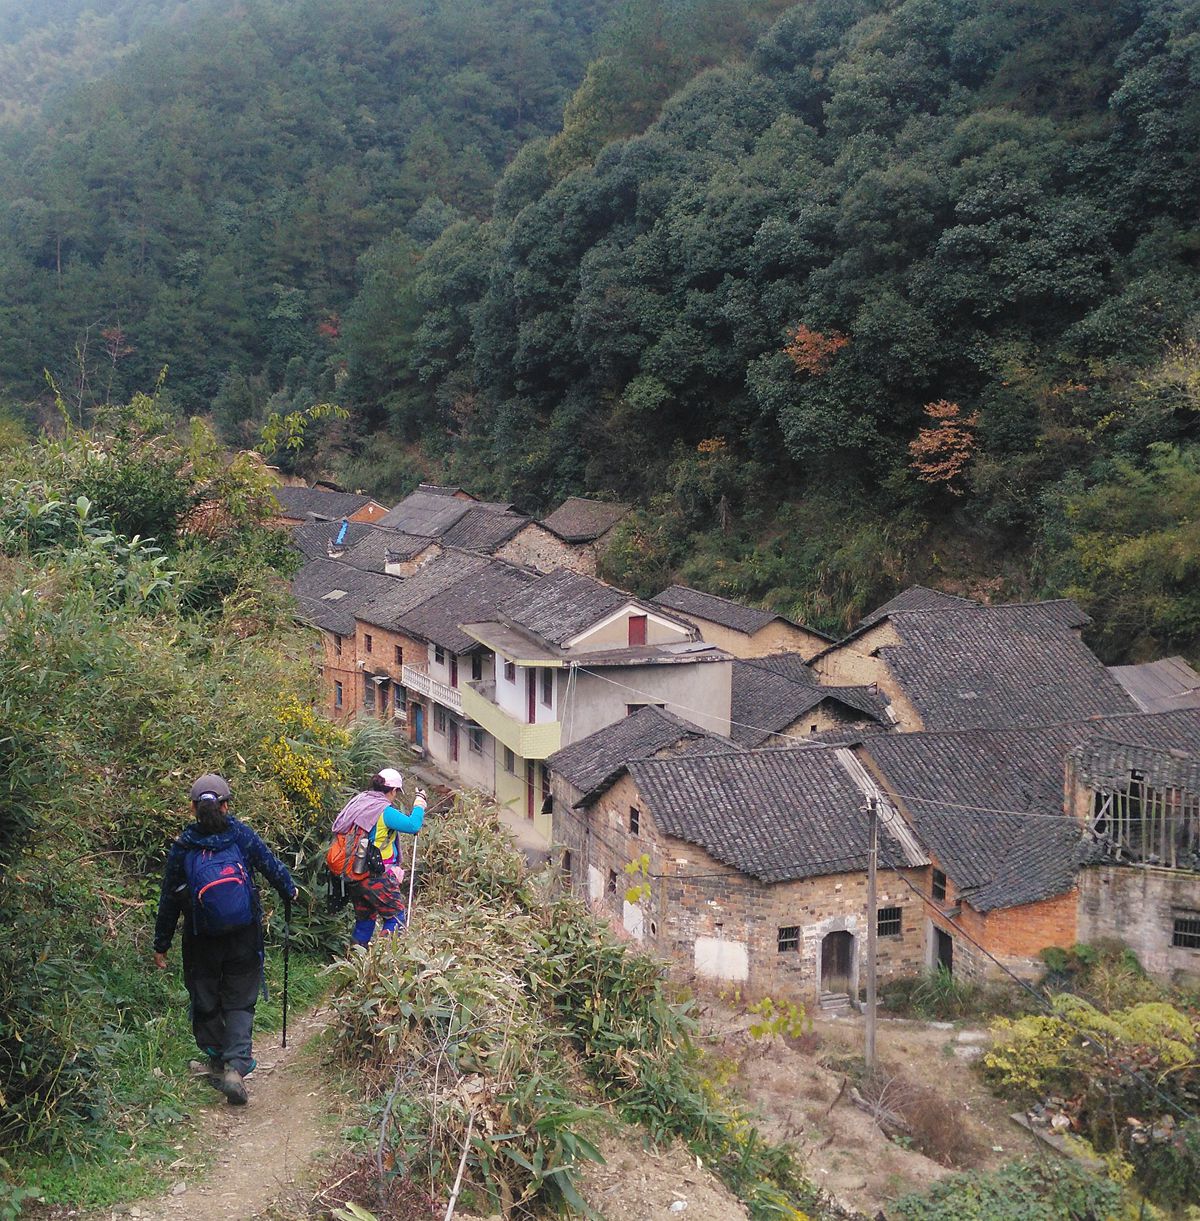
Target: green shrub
x: 1033, y: 1191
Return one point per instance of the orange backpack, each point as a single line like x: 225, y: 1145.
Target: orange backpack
x: 339, y: 859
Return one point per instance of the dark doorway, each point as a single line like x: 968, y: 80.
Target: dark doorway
x: 943, y: 948
x: 531, y: 695
x: 418, y: 722
x: 529, y: 781
x: 453, y: 740
x: 837, y: 958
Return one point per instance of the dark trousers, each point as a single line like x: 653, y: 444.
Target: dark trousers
x: 223, y: 976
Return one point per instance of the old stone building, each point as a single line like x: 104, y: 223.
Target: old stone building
x: 742, y: 630
x: 297, y: 505
x: 744, y: 867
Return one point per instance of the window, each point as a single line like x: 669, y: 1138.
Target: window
x: 476, y: 666
x: 439, y: 655
x: 337, y: 645
x: 635, y: 820
x: 1187, y: 931
x: 548, y: 687
x: 612, y: 881
x: 812, y: 729
x: 337, y: 695
x: 475, y: 738
x: 368, y: 693
x: 887, y: 921
x: 939, y: 886
x: 545, y: 779
x: 510, y: 672
x: 399, y: 655
x: 566, y: 866
x: 439, y: 718
x: 788, y: 938
x: 367, y: 641
x: 510, y: 762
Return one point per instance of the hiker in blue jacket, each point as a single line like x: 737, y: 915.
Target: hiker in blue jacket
x: 208, y: 879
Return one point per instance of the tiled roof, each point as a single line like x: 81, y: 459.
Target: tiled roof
x: 592, y: 761
x: 917, y: 597
x: 431, y: 580
x: 426, y: 512
x: 316, y: 502
x: 468, y: 599
x: 328, y: 591
x: 1000, y: 665
x: 483, y: 529
x: 1106, y: 764
x: 578, y: 520
x: 966, y: 793
x: 562, y: 604
x: 777, y: 815
x: 790, y: 665
x: 766, y: 702
x: 312, y: 538
x: 373, y: 550
x: 728, y: 614
x: 1160, y: 686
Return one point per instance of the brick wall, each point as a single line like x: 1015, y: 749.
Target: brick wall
x: 852, y: 665
x: 1139, y: 904
x: 777, y: 637
x: 369, y: 513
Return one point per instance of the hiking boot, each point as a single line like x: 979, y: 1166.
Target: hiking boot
x: 233, y: 1087
x: 211, y: 1066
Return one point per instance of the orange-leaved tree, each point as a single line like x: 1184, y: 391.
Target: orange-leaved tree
x: 942, y: 451
x: 812, y: 352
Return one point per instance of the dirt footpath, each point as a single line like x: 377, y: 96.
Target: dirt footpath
x: 262, y: 1152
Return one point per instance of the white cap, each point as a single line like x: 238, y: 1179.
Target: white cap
x: 392, y: 778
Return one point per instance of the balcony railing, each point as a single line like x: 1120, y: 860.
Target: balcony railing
x: 527, y: 741
x: 418, y: 679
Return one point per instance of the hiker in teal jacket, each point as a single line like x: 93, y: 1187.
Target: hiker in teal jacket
x: 222, y: 971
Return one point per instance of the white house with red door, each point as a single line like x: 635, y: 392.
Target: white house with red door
x: 567, y: 655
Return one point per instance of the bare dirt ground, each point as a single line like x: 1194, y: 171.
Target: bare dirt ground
x: 800, y: 1090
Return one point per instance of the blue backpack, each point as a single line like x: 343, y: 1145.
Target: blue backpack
x: 221, y: 891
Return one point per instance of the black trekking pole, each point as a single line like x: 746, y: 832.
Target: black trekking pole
x: 287, y: 943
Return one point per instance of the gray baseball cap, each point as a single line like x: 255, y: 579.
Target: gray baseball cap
x: 211, y: 785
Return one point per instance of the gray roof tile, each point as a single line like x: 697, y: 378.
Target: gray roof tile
x: 1160, y: 686
x: 426, y: 512
x: 328, y: 591
x: 777, y: 815
x: 1000, y: 665
x: 578, y: 520
x: 483, y: 529
x: 592, y: 761
x: 917, y: 597
x: 562, y: 604
x: 317, y: 502
x: 966, y: 792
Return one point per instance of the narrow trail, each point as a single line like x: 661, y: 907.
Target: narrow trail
x: 252, y: 1155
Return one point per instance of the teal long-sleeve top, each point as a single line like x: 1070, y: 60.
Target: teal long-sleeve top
x: 393, y: 823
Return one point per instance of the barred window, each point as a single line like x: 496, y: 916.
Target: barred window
x: 887, y: 921
x: 1187, y: 931
x: 788, y: 939
x: 939, y: 886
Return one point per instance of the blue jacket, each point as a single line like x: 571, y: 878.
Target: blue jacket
x: 174, y: 897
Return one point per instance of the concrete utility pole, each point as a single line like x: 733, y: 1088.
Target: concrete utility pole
x: 872, y: 857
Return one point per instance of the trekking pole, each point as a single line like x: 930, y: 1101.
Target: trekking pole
x: 412, y: 881
x: 287, y: 943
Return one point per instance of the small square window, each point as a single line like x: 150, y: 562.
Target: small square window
x: 939, y: 886
x: 635, y: 820
x: 887, y: 921
x: 1187, y: 931
x: 612, y: 881
x: 439, y: 655
x: 510, y: 762
x: 337, y: 645
x: 510, y: 672
x: 439, y: 718
x: 475, y: 738
x: 367, y: 641
x: 337, y: 695
x: 399, y: 655
x: 788, y: 938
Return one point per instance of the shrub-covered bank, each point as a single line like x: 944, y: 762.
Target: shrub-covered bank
x: 135, y: 653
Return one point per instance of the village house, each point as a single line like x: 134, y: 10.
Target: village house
x: 297, y: 505
x: 742, y: 867
x: 567, y: 656
x: 742, y: 630
x: 1139, y: 806
x: 963, y: 667
x: 1166, y: 685
x: 337, y: 599
x: 574, y: 537
x: 776, y: 698
x: 989, y: 806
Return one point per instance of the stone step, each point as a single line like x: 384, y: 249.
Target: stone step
x: 834, y: 1000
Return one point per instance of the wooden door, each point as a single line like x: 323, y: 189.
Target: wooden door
x: 637, y: 630
x: 837, y: 958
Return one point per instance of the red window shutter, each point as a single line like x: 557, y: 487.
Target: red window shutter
x: 637, y: 630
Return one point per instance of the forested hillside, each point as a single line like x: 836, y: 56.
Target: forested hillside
x: 841, y: 294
